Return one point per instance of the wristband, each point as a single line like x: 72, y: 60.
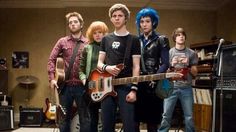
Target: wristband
x: 104, y: 67
x: 134, y: 87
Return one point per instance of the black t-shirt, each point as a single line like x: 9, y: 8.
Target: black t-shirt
x: 115, y: 47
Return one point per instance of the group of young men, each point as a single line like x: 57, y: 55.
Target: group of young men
x: 145, y: 54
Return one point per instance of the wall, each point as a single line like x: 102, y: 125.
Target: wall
x: 226, y: 21
x: 37, y: 30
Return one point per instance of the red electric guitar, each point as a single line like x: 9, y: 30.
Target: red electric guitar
x: 101, y: 83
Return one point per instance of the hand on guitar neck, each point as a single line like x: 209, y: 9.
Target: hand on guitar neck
x: 183, y: 71
x: 114, y: 69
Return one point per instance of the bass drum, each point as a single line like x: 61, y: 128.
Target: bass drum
x: 75, y: 125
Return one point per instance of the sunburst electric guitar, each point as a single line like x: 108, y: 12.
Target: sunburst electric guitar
x: 101, y: 83
x: 59, y: 77
x: 50, y: 111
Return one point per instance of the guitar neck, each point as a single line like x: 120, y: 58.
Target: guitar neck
x: 142, y: 78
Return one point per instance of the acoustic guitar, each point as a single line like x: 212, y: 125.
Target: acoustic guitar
x: 59, y: 77
x: 101, y: 83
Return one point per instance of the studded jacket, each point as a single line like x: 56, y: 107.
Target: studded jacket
x: 155, y: 54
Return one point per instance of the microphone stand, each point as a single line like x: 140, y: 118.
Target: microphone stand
x: 221, y: 92
x: 220, y: 73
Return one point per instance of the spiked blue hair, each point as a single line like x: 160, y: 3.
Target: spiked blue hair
x: 148, y: 11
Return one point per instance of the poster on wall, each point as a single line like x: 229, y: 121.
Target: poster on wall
x: 20, y: 59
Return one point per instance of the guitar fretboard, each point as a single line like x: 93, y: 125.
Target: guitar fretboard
x: 142, y: 78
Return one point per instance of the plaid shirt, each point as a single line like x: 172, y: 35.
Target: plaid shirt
x: 65, y: 46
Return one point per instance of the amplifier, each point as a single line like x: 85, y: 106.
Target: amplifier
x: 203, y: 80
x: 228, y: 110
x: 6, y: 118
x: 31, y: 117
x: 228, y: 83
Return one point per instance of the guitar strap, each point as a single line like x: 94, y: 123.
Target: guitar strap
x: 67, y: 74
x: 75, y: 51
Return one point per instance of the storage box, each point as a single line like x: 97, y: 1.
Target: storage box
x: 202, y: 111
x: 202, y: 115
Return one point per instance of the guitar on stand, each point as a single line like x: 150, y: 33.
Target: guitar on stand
x: 101, y: 83
x: 50, y: 112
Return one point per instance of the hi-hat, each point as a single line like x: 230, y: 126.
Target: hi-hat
x: 27, y: 79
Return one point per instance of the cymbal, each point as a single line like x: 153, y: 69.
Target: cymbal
x: 27, y: 79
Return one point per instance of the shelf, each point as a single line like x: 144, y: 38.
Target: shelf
x: 202, y: 87
x: 204, y: 44
x: 212, y: 43
x: 202, y: 68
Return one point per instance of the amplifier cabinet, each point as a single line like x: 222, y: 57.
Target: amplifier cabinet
x: 6, y: 117
x: 31, y: 117
x: 228, y: 110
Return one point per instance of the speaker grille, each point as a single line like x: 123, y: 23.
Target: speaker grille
x: 228, y: 110
x: 31, y: 116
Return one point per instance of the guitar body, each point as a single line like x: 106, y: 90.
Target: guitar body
x: 60, y: 78
x: 50, y: 111
x: 60, y: 72
x: 100, y: 85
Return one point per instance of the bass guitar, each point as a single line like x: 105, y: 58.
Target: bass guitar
x: 101, y: 83
x: 50, y: 111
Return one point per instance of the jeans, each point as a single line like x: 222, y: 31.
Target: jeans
x: 94, y: 114
x: 185, y: 95
x: 109, y: 111
x: 77, y: 94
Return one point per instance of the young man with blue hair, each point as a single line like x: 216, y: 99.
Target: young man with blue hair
x: 154, y: 59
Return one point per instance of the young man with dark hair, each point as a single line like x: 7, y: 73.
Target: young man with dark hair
x: 183, y: 60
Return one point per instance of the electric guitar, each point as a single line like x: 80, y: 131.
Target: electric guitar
x: 101, y: 83
x: 59, y: 77
x: 50, y: 111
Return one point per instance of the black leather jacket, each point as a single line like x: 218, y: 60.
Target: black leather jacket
x: 155, y: 54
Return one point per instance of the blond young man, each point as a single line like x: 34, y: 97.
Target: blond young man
x: 112, y: 53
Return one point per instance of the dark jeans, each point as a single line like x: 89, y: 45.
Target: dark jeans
x: 94, y: 114
x: 68, y: 95
x: 109, y: 111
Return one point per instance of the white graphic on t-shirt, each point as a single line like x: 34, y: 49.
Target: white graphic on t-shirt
x: 115, y: 45
x: 180, y: 60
